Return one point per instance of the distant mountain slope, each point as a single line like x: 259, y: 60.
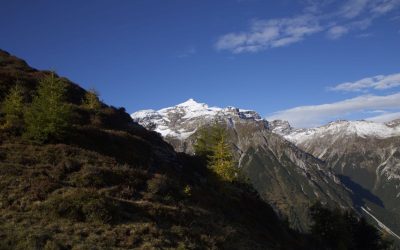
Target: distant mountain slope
x: 366, y: 154
x: 285, y: 176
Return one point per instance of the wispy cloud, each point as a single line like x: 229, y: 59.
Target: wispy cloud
x: 353, y: 15
x: 387, y: 116
x: 353, y: 8
x: 271, y: 33
x: 384, y: 6
x: 315, y: 115
x: 378, y: 82
x: 337, y: 32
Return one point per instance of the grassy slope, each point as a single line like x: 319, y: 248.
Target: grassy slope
x: 113, y: 185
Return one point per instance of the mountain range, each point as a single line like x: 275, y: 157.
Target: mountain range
x: 352, y: 164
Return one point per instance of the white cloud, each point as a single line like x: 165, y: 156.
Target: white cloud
x: 378, y: 82
x: 383, y: 6
x: 337, y: 32
x: 353, y: 8
x: 315, y: 115
x: 272, y: 33
x: 386, y: 117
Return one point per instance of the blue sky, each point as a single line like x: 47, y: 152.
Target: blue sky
x: 299, y: 60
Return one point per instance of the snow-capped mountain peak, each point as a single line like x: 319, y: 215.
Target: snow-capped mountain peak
x: 192, y: 104
x: 340, y: 128
x: 183, y: 119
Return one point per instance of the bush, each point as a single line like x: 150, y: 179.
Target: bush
x: 97, y: 177
x: 92, y: 101
x: 187, y: 190
x: 158, y: 185
x: 82, y: 205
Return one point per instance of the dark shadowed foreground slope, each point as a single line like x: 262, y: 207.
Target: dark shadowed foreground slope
x: 111, y: 184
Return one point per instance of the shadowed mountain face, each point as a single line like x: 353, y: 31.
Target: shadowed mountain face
x: 285, y: 176
x: 365, y: 154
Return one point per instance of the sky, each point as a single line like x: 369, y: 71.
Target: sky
x: 306, y: 61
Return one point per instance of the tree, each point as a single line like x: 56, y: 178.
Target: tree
x: 91, y: 100
x: 336, y: 229
x: 212, y: 146
x: 13, y: 109
x: 203, y: 144
x: 221, y: 161
x: 48, y: 116
x: 207, y: 138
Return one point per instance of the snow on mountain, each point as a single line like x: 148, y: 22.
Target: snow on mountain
x: 284, y: 175
x: 182, y: 120
x: 361, y: 129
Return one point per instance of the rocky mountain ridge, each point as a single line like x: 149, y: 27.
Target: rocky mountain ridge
x: 355, y: 160
x: 339, y: 128
x: 182, y: 120
x: 286, y: 177
x: 366, y: 154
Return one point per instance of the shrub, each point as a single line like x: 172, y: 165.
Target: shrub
x: 187, y: 190
x: 158, y: 185
x: 82, y: 205
x: 92, y: 101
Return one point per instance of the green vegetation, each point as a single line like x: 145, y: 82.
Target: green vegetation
x: 81, y: 205
x: 211, y: 144
x: 92, y: 101
x: 13, y: 109
x: 337, y: 229
x: 221, y: 161
x: 48, y: 117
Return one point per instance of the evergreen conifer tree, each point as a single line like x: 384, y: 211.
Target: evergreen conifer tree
x: 212, y: 145
x: 13, y: 109
x: 221, y: 161
x: 48, y: 116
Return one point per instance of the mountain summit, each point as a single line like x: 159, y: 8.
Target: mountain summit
x: 182, y: 120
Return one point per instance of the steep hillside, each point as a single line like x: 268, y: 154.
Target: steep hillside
x: 288, y: 178
x: 111, y: 184
x: 365, y: 154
